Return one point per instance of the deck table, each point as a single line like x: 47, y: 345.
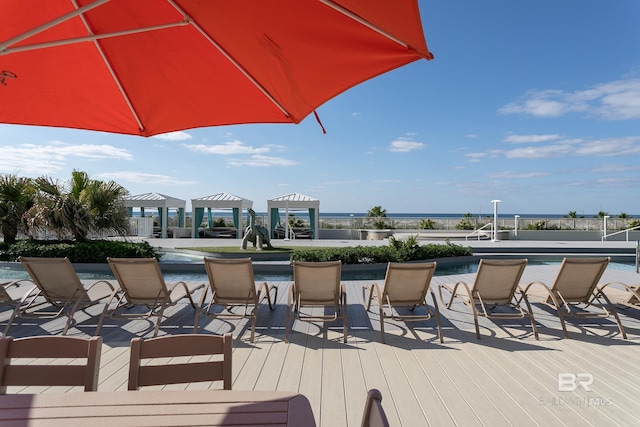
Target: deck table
x: 157, y: 408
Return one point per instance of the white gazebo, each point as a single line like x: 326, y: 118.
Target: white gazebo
x: 293, y: 202
x: 162, y: 203
x: 219, y: 201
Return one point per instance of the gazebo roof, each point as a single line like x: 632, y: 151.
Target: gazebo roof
x: 154, y: 200
x: 293, y: 201
x: 221, y: 201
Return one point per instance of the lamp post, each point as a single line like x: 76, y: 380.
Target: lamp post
x: 516, y: 225
x: 495, y: 220
x: 351, y: 225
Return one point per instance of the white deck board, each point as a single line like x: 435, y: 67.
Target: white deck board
x: 505, y: 378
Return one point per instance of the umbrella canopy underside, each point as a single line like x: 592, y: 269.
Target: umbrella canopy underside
x: 147, y: 67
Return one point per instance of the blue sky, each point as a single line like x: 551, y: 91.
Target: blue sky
x: 533, y: 102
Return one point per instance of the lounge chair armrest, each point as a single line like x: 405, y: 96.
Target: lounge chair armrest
x: 106, y: 282
x: 626, y: 287
x: 18, y: 283
x: 266, y: 289
x: 453, y: 289
x: 175, y: 285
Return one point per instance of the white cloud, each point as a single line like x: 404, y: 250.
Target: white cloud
x: 261, y: 161
x: 612, y: 168
x: 143, y: 178
x: 342, y: 183
x: 173, y: 136
x: 404, y: 146
x: 226, y: 149
x: 52, y: 157
x: 616, y: 100
x: 475, y: 157
x: 523, y: 139
x: 517, y: 175
x: 575, y: 147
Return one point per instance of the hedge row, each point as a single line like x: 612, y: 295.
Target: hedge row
x: 93, y: 251
x: 381, y: 254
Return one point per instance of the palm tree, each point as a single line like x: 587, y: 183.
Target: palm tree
x: 80, y: 207
x: 377, y: 212
x: 17, y: 196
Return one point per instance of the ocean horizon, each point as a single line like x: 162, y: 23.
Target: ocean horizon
x: 304, y: 214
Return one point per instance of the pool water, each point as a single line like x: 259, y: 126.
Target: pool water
x: 9, y: 274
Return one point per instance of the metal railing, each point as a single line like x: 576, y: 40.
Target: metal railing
x: 605, y: 235
x: 477, y: 232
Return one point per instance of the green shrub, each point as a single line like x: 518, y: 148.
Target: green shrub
x: 92, y: 251
x: 397, y: 251
x: 427, y: 224
x: 219, y: 222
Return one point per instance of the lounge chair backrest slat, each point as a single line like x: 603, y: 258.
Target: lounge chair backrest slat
x: 50, y: 373
x: 408, y: 282
x: 140, y: 279
x: 55, y: 278
x: 578, y: 277
x: 317, y: 281
x: 497, y: 280
x: 231, y: 279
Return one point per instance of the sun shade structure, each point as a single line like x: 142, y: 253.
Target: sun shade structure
x: 219, y: 201
x: 293, y: 202
x: 162, y: 203
x: 148, y: 67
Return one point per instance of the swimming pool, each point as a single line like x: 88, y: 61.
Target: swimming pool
x: 183, y: 267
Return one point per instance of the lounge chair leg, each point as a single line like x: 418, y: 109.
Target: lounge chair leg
x: 615, y: 314
x: 367, y: 301
x: 253, y: 325
x: 437, y: 314
x: 475, y: 320
x: 381, y: 323
x: 530, y: 313
x: 11, y: 319
x: 344, y: 316
x: 286, y: 329
x: 561, y: 316
x: 160, y: 313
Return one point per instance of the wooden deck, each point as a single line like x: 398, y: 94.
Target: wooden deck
x: 506, y: 378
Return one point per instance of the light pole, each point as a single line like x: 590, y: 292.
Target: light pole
x: 351, y: 225
x: 495, y: 220
x: 516, y: 225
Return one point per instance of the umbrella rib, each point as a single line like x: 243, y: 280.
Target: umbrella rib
x: 52, y: 23
x: 364, y: 22
x: 230, y: 58
x: 116, y: 80
x: 92, y: 37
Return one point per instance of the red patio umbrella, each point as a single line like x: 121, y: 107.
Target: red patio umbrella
x: 146, y: 67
